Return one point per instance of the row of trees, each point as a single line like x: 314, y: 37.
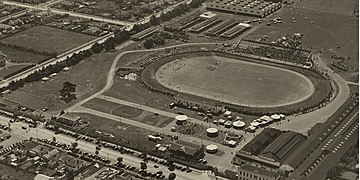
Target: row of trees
x: 28, y: 50
x: 160, y: 38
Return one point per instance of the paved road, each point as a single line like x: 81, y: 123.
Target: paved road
x: 59, y: 58
x: 19, y: 134
x: 303, y: 122
x: 334, y: 145
x: 111, y: 74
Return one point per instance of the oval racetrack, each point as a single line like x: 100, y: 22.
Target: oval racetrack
x: 235, y: 81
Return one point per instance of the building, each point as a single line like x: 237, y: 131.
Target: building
x: 268, y: 151
x: 196, y: 102
x: 248, y: 172
x: 143, y: 34
x: 68, y: 119
x: 257, y: 8
x: 186, y: 150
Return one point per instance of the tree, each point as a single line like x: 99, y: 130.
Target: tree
x: 97, y: 48
x: 119, y: 159
x: 74, y: 145
x: 172, y: 176
x: 154, y: 20
x: 67, y: 92
x: 97, y: 152
x: 149, y: 43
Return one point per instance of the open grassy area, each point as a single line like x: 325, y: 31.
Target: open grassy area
x: 128, y: 112
x: 10, y: 69
x: 121, y: 131
x: 17, y: 56
x: 331, y: 33
x: 89, y: 76
x: 135, y: 92
x: 246, y: 83
x: 44, y: 38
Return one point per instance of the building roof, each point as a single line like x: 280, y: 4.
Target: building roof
x: 70, y: 117
x: 257, y: 170
x: 283, y: 146
x: 261, y: 141
x: 187, y: 147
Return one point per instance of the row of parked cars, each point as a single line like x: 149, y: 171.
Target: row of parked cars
x: 11, y: 147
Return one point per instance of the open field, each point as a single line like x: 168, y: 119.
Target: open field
x: 44, y: 38
x: 331, y: 33
x: 135, y: 92
x: 247, y: 84
x: 10, y: 69
x: 89, y: 76
x: 128, y: 112
x: 17, y: 56
x: 121, y: 131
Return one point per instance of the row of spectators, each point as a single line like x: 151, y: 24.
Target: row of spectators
x: 293, y: 55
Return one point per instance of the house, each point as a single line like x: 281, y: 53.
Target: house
x: 186, y: 150
x: 68, y: 119
x: 39, y: 150
x: 51, y: 155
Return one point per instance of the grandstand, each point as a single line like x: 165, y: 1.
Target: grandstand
x: 222, y: 27
x: 257, y: 8
x: 205, y: 25
x: 236, y: 30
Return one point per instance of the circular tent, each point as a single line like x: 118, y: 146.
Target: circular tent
x: 254, y: 124
x: 212, y: 130
x: 181, y: 118
x: 232, y: 143
x: 211, y: 148
x: 238, y: 124
x: 282, y: 116
x: 275, y: 117
x: 266, y: 119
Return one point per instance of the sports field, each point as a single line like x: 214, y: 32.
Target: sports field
x: 44, y: 38
x: 235, y: 81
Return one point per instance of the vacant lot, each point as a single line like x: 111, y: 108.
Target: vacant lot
x: 246, y: 83
x: 135, y: 92
x: 17, y: 56
x: 10, y: 69
x: 89, y: 76
x: 128, y: 112
x: 44, y: 38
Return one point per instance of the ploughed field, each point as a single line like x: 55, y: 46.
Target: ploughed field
x: 235, y: 81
